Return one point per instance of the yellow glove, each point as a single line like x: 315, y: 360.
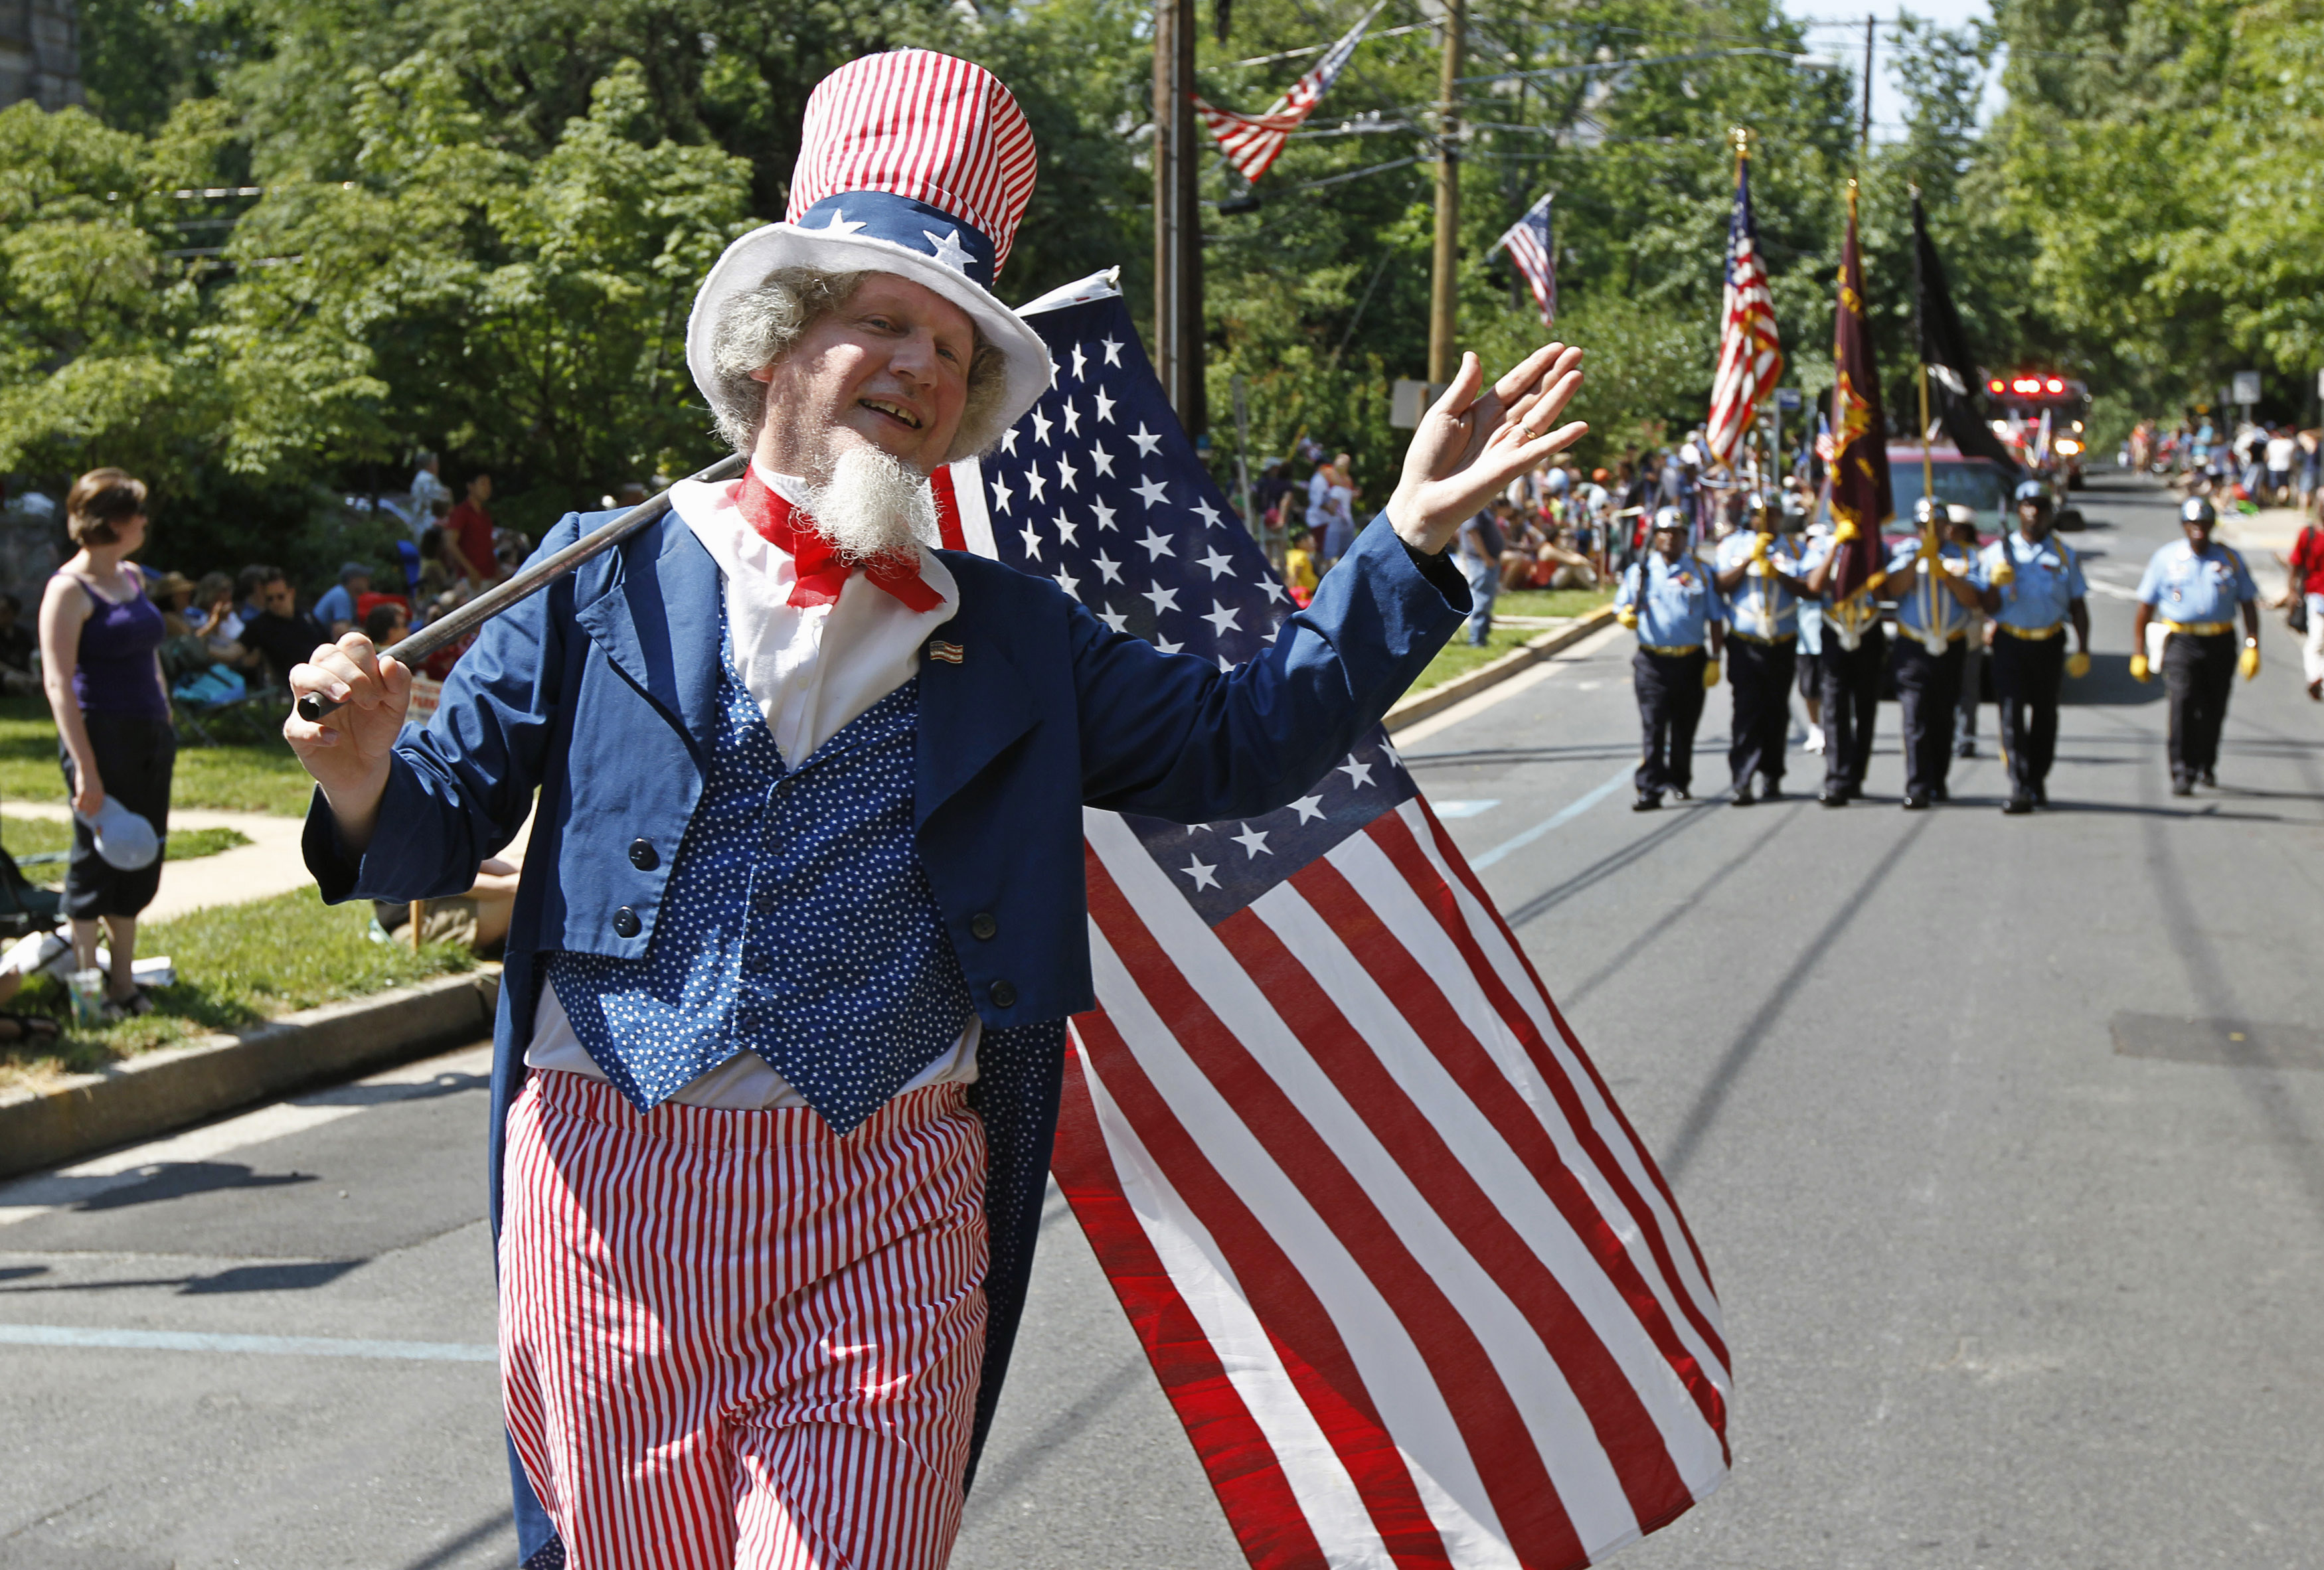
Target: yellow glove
x: 2138, y: 668
x: 1929, y: 551
x: 2249, y: 662
x: 1710, y: 674
x: 1846, y: 533
x: 2004, y: 574
x: 2078, y: 664
x: 1627, y: 617
x: 1759, y: 544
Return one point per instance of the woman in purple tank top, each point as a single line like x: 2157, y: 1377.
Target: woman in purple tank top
x: 98, y: 638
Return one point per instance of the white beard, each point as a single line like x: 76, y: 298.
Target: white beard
x: 871, y: 505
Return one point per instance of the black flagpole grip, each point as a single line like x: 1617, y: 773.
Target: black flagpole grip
x: 456, y: 624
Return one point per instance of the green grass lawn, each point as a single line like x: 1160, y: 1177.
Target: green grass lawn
x: 237, y: 965
x: 253, y: 776
x: 23, y: 837
x: 1458, y: 659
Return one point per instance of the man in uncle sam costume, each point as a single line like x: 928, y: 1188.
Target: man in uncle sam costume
x: 802, y: 919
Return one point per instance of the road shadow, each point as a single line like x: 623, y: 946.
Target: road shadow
x: 442, y: 1085
x: 2110, y: 685
x: 301, y: 1276
x: 180, y: 1180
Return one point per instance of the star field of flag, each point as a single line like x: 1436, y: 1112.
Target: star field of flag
x: 1098, y: 489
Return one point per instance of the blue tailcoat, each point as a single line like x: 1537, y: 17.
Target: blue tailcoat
x: 602, y: 693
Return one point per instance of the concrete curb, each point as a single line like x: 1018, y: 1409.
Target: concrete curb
x: 168, y: 1090
x: 1444, y: 695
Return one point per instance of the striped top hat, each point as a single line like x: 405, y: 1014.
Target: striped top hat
x: 914, y: 163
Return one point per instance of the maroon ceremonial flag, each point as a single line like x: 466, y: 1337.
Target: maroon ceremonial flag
x: 1861, y: 496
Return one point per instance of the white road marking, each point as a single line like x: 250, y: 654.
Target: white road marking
x: 1464, y: 809
x: 37, y: 1195
x: 265, y: 1346
x: 1556, y: 820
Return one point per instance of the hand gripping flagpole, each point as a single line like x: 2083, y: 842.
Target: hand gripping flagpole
x: 528, y: 581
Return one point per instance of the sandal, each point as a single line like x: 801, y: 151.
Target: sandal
x: 130, y: 1007
x: 31, y: 1027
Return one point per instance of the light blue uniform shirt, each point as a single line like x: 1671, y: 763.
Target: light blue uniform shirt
x: 1913, y: 611
x: 2049, y: 579
x: 1681, y: 602
x: 2183, y: 586
x: 334, y: 604
x: 1760, y: 607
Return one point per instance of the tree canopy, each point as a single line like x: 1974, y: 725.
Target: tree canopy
x: 298, y: 239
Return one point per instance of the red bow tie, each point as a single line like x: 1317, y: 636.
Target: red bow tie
x: 822, y: 570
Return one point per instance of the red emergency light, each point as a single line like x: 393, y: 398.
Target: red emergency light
x: 1995, y: 385
x: 2054, y: 385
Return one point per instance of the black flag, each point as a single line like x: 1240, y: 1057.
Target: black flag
x: 1944, y: 349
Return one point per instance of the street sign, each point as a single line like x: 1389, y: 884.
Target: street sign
x: 2319, y: 384
x: 1410, y: 400
x: 2246, y: 387
x: 1787, y: 398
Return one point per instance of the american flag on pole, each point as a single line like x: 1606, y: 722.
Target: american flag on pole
x: 1750, y: 360
x: 1410, y: 1279
x: 1252, y: 142
x: 1529, y: 247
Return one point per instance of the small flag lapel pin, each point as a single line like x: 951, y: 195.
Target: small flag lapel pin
x: 950, y: 653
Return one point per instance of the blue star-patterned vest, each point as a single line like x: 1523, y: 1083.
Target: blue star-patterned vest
x: 796, y: 923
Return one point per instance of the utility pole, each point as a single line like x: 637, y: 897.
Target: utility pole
x: 1177, y: 217
x: 1443, y: 292
x: 1864, y: 127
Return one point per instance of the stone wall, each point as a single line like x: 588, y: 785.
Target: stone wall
x: 40, y: 53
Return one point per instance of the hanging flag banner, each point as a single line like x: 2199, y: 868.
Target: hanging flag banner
x: 1530, y: 250
x: 1406, y: 1273
x: 1953, y: 374
x: 1750, y: 360
x: 1252, y: 142
x: 1861, y: 500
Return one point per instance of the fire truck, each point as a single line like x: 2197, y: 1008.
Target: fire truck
x: 2056, y: 446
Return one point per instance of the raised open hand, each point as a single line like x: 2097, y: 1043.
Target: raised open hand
x: 1476, y: 439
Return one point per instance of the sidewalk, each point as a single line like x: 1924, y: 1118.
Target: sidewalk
x: 2262, y: 536
x: 269, y: 865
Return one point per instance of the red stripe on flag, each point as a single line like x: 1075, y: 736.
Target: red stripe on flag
x: 1319, y: 1364
x: 1242, y: 1466
x: 947, y: 509
x: 1538, y: 1051
x: 1499, y: 1443
x: 1626, y: 1431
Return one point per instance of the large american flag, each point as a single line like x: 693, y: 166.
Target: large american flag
x: 1750, y: 360
x: 1529, y: 247
x: 1405, y: 1270
x: 1252, y: 142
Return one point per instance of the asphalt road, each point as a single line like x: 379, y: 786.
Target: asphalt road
x: 2001, y: 1136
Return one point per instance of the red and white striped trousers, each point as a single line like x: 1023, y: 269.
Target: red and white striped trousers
x: 737, y: 1339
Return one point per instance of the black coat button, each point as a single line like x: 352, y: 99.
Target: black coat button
x: 983, y: 924
x: 643, y: 856
x: 626, y: 923
x: 1004, y: 995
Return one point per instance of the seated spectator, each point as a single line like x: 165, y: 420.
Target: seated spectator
x: 17, y: 646
x: 386, y: 624
x: 336, y: 609
x: 438, y: 591
x: 1299, y: 568
x: 246, y: 584
x: 1520, y: 538
x: 478, y: 918
x: 284, y: 634
x: 183, y: 652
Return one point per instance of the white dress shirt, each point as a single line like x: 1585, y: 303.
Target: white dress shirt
x: 811, y: 669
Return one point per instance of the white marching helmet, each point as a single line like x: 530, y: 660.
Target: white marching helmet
x: 914, y: 163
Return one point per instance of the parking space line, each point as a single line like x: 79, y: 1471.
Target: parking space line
x: 1556, y: 820
x: 263, y: 1345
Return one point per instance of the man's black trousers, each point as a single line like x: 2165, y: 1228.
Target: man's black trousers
x: 2027, y: 673
x: 1670, y: 703
x: 2197, y: 673
x: 1928, y: 690
x: 1761, y: 676
x: 1851, y: 703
